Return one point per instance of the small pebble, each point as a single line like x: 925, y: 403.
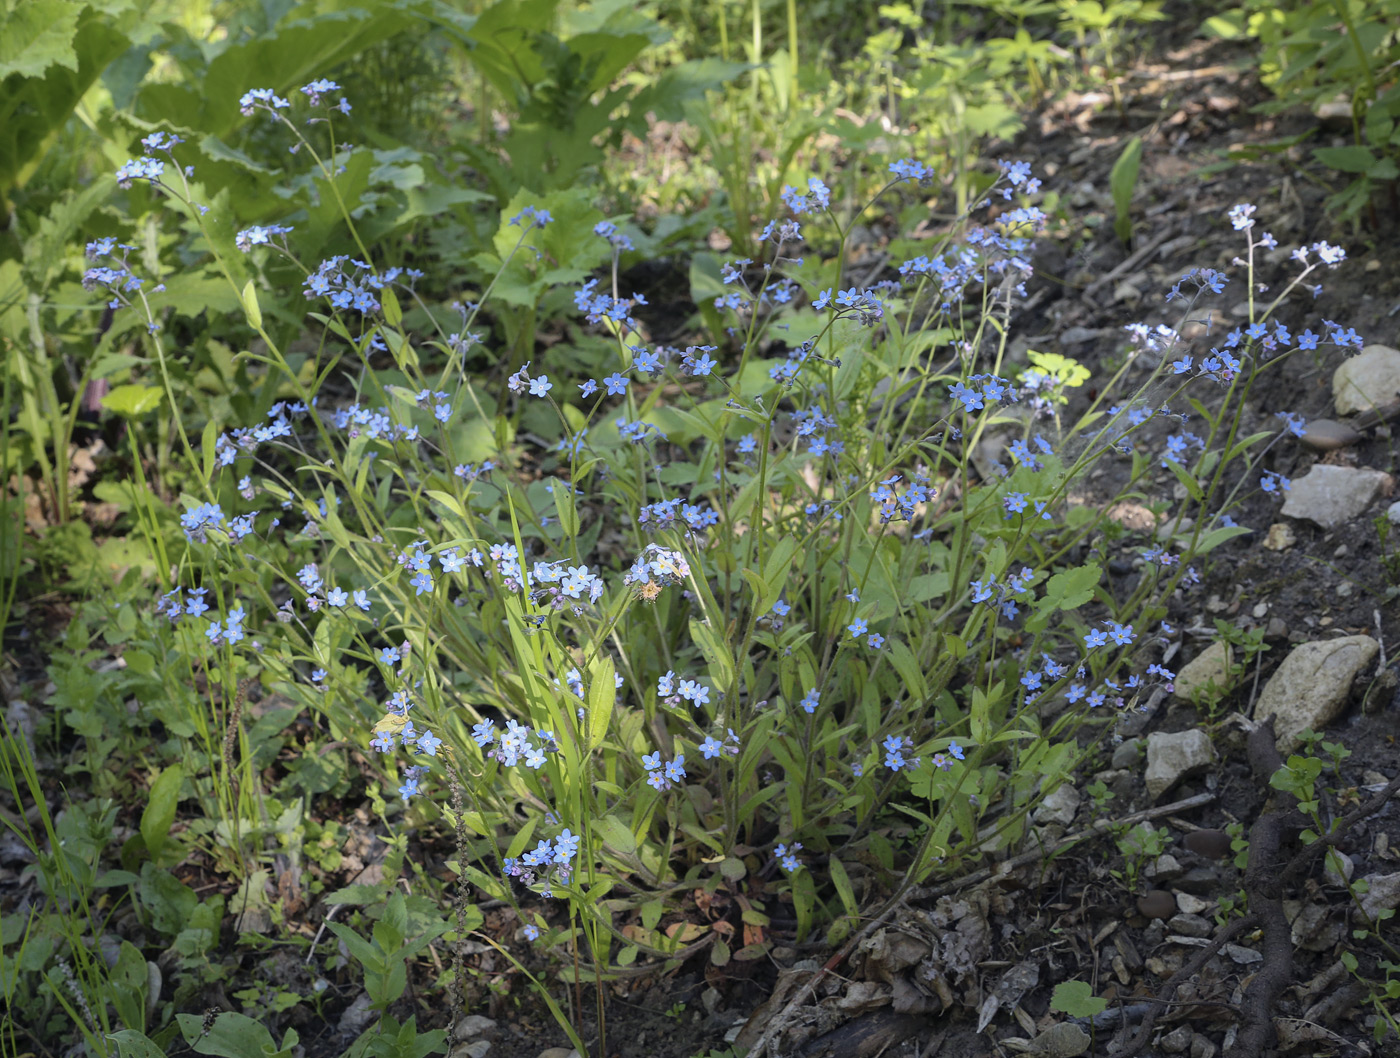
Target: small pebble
x: 1243, y: 956
x: 1213, y: 844
x: 1157, y: 904
x: 1178, y: 1041
x: 1193, y: 905
x: 1326, y: 435
x: 1190, y: 925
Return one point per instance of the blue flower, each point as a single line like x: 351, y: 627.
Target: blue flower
x: 651, y: 761
x: 422, y: 581
x: 617, y: 385
x: 531, y: 933
x: 811, y: 700
x: 857, y: 628
x: 389, y: 655
x: 540, y: 386
x: 1097, y: 638
x: 710, y: 748
x: 429, y: 743
x: 588, y: 387
x: 675, y: 770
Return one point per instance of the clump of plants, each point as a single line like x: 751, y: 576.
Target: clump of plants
x: 817, y: 594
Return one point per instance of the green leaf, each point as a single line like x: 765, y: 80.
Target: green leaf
x: 1122, y: 180
x: 392, y: 312
x: 134, y: 1044
x: 1187, y: 481
x: 34, y: 110
x: 132, y: 401
x: 775, y: 572
x: 565, y: 508
x: 1216, y: 537
x: 616, y: 835
x: 715, y: 651
x: 1077, y: 999
x: 1346, y: 159
x: 160, y: 808
x: 251, y: 307
x: 602, y: 693
x: 37, y: 34
x: 844, y: 890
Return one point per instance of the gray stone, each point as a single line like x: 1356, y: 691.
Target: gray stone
x: 1393, y: 513
x: 1165, y: 869
x: 1210, y: 665
x: 1174, y: 757
x: 1383, y: 893
x: 1128, y: 753
x: 1062, y: 1040
x: 1059, y: 806
x: 1189, y: 925
x: 1191, y: 904
x: 1243, y: 956
x: 1310, y: 688
x: 1330, y: 496
x: 1327, y: 435
x: 1178, y: 1041
x: 1311, y: 925
x: 1337, y: 868
x: 1368, y: 380
x: 472, y: 1025
x: 1202, y: 881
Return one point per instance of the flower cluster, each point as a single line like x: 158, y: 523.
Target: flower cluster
x: 908, y: 169
x: 597, y: 307
x: 260, y: 235
x: 516, y: 744
x: 1004, y: 596
x: 786, y: 855
x: 896, y: 747
x: 662, y: 515
x: 608, y: 230
x: 353, y: 287
x: 860, y: 305
x: 818, y: 197
x: 662, y: 774
x: 673, y: 692
x: 550, y: 862
x: 656, y: 568
x: 981, y: 390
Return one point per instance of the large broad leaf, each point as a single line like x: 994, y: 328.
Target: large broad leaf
x: 295, y: 51
x: 45, y: 75
x: 38, y: 34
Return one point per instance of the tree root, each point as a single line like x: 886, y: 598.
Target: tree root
x: 1267, y: 878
